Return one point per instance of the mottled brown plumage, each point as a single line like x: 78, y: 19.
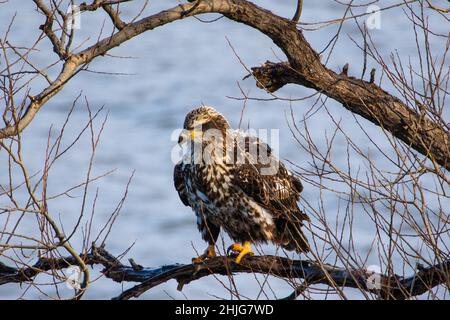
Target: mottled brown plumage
x: 237, y: 197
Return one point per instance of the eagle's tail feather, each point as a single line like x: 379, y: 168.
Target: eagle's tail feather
x: 290, y: 234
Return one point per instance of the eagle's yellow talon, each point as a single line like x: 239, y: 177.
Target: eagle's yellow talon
x: 243, y: 250
x: 210, y: 252
x: 198, y: 259
x: 235, y: 247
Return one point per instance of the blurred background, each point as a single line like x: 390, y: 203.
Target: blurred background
x: 161, y: 75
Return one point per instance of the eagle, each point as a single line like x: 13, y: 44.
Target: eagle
x: 222, y: 178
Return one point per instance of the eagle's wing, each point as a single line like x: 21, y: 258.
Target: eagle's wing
x: 208, y: 230
x: 277, y: 192
x: 178, y: 181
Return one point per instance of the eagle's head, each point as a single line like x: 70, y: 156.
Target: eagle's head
x: 202, y: 123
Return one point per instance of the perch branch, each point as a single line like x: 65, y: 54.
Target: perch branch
x: 392, y: 287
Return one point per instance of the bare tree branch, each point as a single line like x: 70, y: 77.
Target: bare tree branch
x: 358, y: 96
x: 391, y: 287
x: 114, y: 15
x: 298, y: 11
x: 58, y: 47
x: 394, y: 287
x: 99, y: 3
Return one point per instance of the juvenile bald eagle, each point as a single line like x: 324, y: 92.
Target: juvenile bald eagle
x: 229, y: 189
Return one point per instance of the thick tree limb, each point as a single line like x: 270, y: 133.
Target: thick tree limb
x: 394, y: 287
x: 304, y: 68
x: 114, y: 16
x: 360, y: 97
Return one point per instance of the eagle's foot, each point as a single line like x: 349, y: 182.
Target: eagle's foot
x: 210, y: 252
x: 243, y: 250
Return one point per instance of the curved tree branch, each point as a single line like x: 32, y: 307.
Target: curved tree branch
x: 304, y: 67
x: 386, y: 287
x: 394, y: 287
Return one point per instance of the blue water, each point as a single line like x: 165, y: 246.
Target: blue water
x: 169, y: 71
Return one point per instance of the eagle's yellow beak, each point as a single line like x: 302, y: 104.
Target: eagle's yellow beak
x: 189, y: 135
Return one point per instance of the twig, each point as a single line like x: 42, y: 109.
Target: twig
x: 298, y: 11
